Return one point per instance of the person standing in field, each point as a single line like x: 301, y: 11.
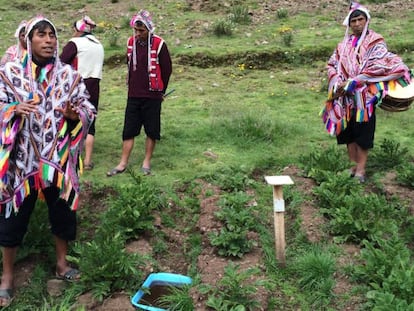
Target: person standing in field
x: 358, y: 74
x: 16, y: 52
x: 45, y: 116
x: 86, y: 55
x: 149, y: 71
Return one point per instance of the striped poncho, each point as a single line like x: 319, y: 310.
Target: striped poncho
x: 366, y: 67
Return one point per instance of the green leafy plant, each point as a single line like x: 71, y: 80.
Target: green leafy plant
x: 388, y: 268
x: 235, y: 290
x: 106, y: 265
x: 131, y: 209
x: 390, y: 155
x: 320, y: 163
x: 405, y: 175
x: 354, y: 215
x: 237, y: 217
x: 231, y: 178
x: 333, y: 191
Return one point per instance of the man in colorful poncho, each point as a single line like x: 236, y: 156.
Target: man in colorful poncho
x: 358, y: 74
x: 15, y: 52
x: 45, y: 116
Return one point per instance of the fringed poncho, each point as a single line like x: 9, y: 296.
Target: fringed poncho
x: 43, y: 149
x: 367, y: 67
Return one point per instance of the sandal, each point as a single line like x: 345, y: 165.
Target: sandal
x: 7, y: 296
x: 146, y: 171
x: 88, y: 167
x: 71, y: 275
x: 361, y: 178
x: 115, y: 171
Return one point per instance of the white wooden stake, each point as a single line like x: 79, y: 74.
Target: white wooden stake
x: 279, y: 214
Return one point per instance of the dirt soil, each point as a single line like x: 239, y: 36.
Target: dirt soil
x: 209, y: 264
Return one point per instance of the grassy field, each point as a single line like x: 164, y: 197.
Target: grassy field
x: 250, y: 99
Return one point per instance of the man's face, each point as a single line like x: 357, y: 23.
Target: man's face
x: 357, y: 24
x: 141, y: 32
x: 43, y: 44
x: 22, y: 39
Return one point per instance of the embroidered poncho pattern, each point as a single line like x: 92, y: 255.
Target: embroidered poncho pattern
x: 43, y: 149
x: 367, y: 67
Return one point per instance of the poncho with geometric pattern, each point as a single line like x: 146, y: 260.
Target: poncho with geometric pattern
x: 43, y: 149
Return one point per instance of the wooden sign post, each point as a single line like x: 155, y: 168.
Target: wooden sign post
x: 279, y: 214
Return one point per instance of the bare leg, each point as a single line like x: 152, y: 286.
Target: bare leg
x: 361, y: 161
x: 9, y: 256
x: 359, y: 156
x: 127, y: 146
x: 90, y: 139
x: 62, y: 265
x: 353, y: 156
x: 149, y: 149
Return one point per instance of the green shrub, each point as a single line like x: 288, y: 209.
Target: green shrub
x: 287, y: 35
x: 223, y: 27
x: 354, y: 215
x: 320, y: 163
x: 405, y: 175
x: 240, y: 15
x: 380, y: 301
x: 106, y: 265
x: 231, y: 178
x: 333, y: 191
x: 388, y: 268
x: 235, y: 290
x: 131, y: 209
x: 282, y: 13
x: 360, y: 217
x: 389, y: 156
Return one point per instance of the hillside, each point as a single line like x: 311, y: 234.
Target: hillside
x: 246, y: 106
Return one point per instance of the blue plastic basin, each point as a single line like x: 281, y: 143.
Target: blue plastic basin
x: 161, y: 278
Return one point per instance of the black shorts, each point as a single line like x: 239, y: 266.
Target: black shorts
x: 361, y: 133
x: 142, y: 112
x: 61, y: 218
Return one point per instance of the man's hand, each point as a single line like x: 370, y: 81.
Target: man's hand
x: 340, y: 91
x: 69, y: 112
x: 27, y: 107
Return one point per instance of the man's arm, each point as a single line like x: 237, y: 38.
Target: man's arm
x: 69, y: 53
x: 166, y: 65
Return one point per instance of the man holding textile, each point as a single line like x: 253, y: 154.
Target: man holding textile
x: 358, y: 74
